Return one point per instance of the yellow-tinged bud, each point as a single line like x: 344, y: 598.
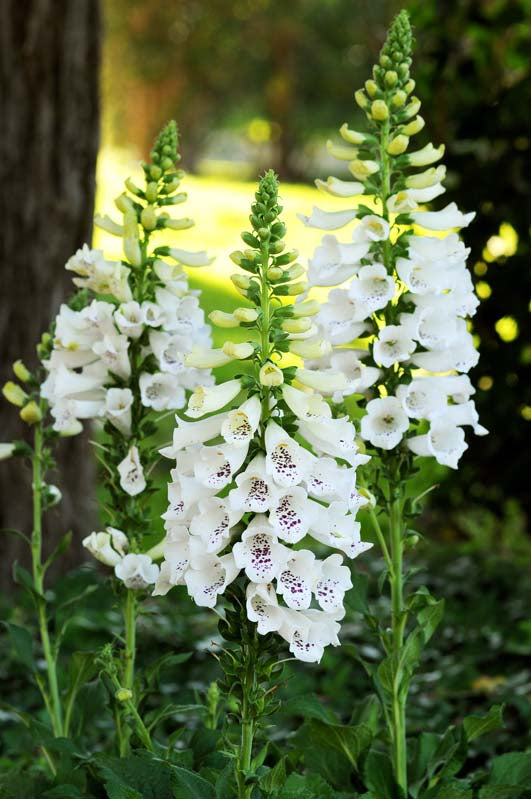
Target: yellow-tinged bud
x: 222, y: 319
x: 300, y: 325
x: 297, y: 288
x: 179, y: 224
x: 363, y: 169
x: 391, y: 78
x: 21, y: 371
x: 310, y: 348
x: 123, y: 203
x: 246, y: 314
x: 352, y: 136
x: 410, y: 85
x: 148, y: 218
x: 308, y: 308
x: 275, y: 273
x: 371, y: 87
x: 31, y: 413
x: 415, y: 126
x: 241, y: 281
x: 340, y: 152
x: 412, y: 108
x: 362, y: 99
x: 14, y: 394
x: 427, y: 178
x: 133, y: 188
x: 130, y: 243
x: 271, y: 375
x: 398, y: 145
x: 236, y: 257
x: 379, y: 110
x: 238, y: 351
x: 152, y: 192
x: 123, y: 695
x: 294, y: 272
x: 155, y: 172
x: 399, y: 99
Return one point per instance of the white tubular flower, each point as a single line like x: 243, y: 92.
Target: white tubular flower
x: 360, y: 377
x: 328, y: 220
x: 372, y: 228
x: 136, y: 571
x: 271, y: 375
x: 332, y: 584
x: 326, y: 381
x: 448, y: 251
x: 430, y: 177
x: 462, y: 414
x: 310, y: 632
x: 342, y: 318
x: 188, y: 258
x: 108, y: 547
x: 337, y: 529
x: 129, y: 319
x: 460, y: 357
x: 392, y: 345
x: 259, y: 552
x: 152, y: 314
x: 213, y: 523
x: 373, y: 287
x: 113, y: 353
x: 422, y: 398
x: 215, y: 467
x: 263, y: 608
x: 6, y: 451
x: 188, y: 433
x: 255, y: 492
x: 169, y: 350
x: 293, y: 514
x: 328, y: 481
x: 286, y: 461
x: 444, y: 441
x: 161, y: 391
x: 340, y: 188
x: 132, y: 478
x: 305, y: 405
x: 298, y: 578
x: 333, y: 263
x: 336, y: 437
x: 240, y: 424
x: 311, y: 348
x: 385, y: 422
x: 208, y: 576
x: 207, y: 400
x: 445, y: 219
x: 118, y: 403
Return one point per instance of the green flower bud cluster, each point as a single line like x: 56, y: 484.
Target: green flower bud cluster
x: 31, y: 408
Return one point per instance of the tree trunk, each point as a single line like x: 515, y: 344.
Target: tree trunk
x: 49, y: 92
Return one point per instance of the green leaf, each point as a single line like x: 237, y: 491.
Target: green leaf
x: 309, y: 706
x: 309, y: 786
x: 144, y: 776
x: 450, y: 791
x: 379, y: 778
x: 166, y: 711
x: 272, y: 782
x: 430, y: 617
x: 117, y: 790
x: 60, y: 549
x: 512, y: 769
x: 66, y: 791
x: 450, y: 754
x: 186, y: 784
x: 357, y: 597
x: 22, y: 643
x: 503, y: 792
x: 424, y: 748
x: 481, y: 725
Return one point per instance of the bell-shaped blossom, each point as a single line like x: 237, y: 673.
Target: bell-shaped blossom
x: 129, y: 319
x: 293, y: 514
x: 385, y: 422
x: 240, y: 424
x: 208, y: 576
x: 209, y: 399
x: 372, y: 228
x: 131, y: 473
x: 310, y: 632
x: 421, y: 398
x: 328, y: 482
x: 108, y: 547
x: 336, y: 437
x: 334, y: 580
x: 393, y: 345
x: 255, y: 491
x: 170, y: 350
x: 305, y: 405
x: 286, y: 461
x: 215, y: 466
x: 136, y: 571
x: 298, y: 578
x: 214, y: 521
x: 445, y: 219
x: 327, y: 220
x: 187, y: 434
x: 263, y: 608
x: 444, y: 441
x: 373, y: 287
x: 118, y: 404
x: 161, y: 391
x: 337, y: 528
x: 259, y: 552
x: 342, y: 319
x: 113, y: 352
x: 333, y: 262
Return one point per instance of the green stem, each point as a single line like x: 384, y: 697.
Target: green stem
x: 248, y: 728
x: 398, y: 620
x: 128, y: 676
x: 265, y: 323
x: 54, y: 703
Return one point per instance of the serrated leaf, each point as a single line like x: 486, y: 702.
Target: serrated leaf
x: 272, y: 782
x: 481, y: 725
x: 309, y: 786
x: 186, y: 784
x: 512, y: 769
x: 379, y: 778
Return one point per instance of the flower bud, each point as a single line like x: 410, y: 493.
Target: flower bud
x: 6, y: 451
x: 241, y: 281
x: 371, y: 499
x: 390, y: 78
x: 14, y: 394
x: 155, y: 172
x: 409, y: 86
x: 399, y: 99
x: 123, y: 203
x: 308, y: 308
x: 362, y: 99
x: 179, y: 224
x: 415, y: 126
x: 31, y: 413
x: 379, y: 110
x: 300, y: 325
x: 21, y: 371
x: 133, y: 188
x: 275, y: 273
x: 340, y: 152
x: 311, y: 348
x: 130, y: 242
x: 239, y: 351
x: 271, y: 375
x: 411, y: 108
x: 363, y: 169
x: 276, y: 247
x: 427, y: 155
x: 398, y: 145
x: 107, y: 224
x: 385, y: 61
x: 148, y: 218
x: 124, y: 694
x: 152, y: 192
x: 297, y: 288
x: 236, y: 257
x: 222, y: 319
x: 352, y: 136
x: 427, y: 178
x: 371, y: 88
x: 246, y: 314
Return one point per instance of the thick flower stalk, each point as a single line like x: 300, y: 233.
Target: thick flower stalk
x: 118, y: 356
x: 264, y: 474
x: 398, y: 323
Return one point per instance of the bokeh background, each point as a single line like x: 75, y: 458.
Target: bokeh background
x: 260, y: 83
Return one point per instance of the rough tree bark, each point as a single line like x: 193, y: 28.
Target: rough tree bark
x: 49, y: 56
